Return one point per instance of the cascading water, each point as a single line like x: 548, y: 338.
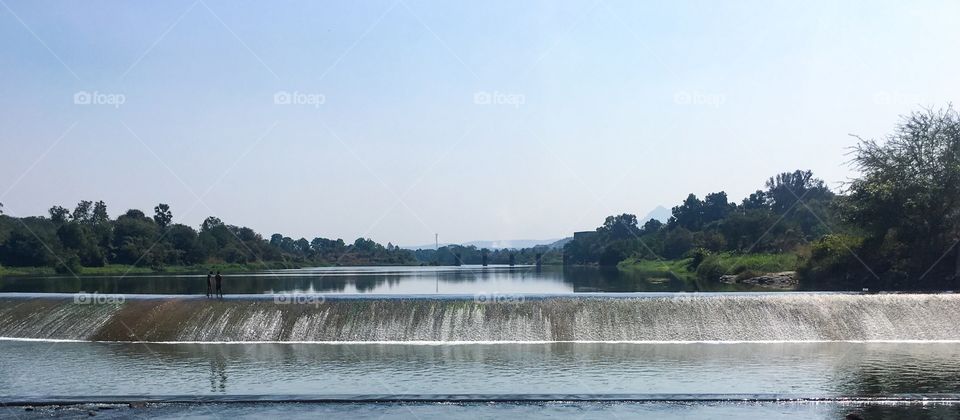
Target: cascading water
x: 785, y: 317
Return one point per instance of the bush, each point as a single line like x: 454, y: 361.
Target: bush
x: 711, y: 268
x: 745, y: 265
x: 696, y: 257
x: 70, y: 264
x: 831, y: 260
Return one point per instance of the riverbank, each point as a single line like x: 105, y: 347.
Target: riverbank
x: 123, y: 269
x: 714, y: 267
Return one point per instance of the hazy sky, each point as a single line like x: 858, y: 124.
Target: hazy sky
x: 474, y: 120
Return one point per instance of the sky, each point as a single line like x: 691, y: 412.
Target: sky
x: 400, y: 119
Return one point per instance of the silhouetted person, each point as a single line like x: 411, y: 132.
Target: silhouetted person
x: 209, y: 283
x: 219, y: 279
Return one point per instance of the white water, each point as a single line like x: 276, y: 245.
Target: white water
x: 784, y: 318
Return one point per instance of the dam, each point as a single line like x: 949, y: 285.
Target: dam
x: 387, y: 339
x: 678, y: 318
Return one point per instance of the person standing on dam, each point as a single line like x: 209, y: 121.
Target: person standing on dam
x: 209, y: 283
x: 219, y: 279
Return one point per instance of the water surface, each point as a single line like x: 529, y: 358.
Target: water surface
x: 43, y: 369
x: 378, y: 280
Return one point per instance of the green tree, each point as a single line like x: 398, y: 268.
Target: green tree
x: 756, y: 201
x: 82, y: 213
x: 210, y: 223
x: 78, y: 238
x: 907, y: 198
x: 785, y: 189
x: 186, y: 244
x: 31, y: 243
x: 58, y: 215
x: 102, y: 226
x: 688, y: 215
x: 162, y: 215
x: 716, y: 207
x: 620, y: 227
x: 303, y: 246
x: 652, y: 226
x: 677, y: 242
x: 135, y: 236
x: 100, y: 215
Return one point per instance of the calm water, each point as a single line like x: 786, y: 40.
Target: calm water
x: 798, y: 370
x: 670, y: 374
x: 377, y: 280
x: 499, y: 411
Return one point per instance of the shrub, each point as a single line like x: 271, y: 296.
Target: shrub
x: 696, y: 257
x: 711, y: 268
x: 745, y: 265
x: 831, y: 260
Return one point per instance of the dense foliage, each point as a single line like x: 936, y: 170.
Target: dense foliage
x: 88, y: 237
x: 906, y: 204
x: 784, y: 217
x: 897, y: 226
x: 464, y: 255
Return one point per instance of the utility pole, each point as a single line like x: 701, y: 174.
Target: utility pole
x: 436, y: 248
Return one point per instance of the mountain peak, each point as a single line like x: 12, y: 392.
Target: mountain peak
x: 660, y: 213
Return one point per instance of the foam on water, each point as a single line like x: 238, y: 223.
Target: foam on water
x: 779, y: 318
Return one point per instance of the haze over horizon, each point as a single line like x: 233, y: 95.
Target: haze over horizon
x: 399, y: 119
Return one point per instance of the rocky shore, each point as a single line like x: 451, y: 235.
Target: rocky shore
x: 781, y: 280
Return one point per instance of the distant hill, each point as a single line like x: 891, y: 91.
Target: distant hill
x: 501, y: 244
x: 660, y: 213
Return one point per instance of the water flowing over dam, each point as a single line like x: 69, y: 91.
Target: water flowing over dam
x: 776, y: 317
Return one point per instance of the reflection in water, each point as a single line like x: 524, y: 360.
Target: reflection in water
x: 379, y: 280
x: 815, y: 369
x: 218, y: 375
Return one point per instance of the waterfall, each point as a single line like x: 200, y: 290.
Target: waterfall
x: 721, y: 318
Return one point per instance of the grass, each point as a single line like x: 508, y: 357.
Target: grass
x: 714, y: 266
x: 657, y: 268
x: 745, y: 265
x: 26, y: 271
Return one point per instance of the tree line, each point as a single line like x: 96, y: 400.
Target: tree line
x: 783, y: 216
x: 471, y: 255
x: 895, y: 226
x: 88, y: 237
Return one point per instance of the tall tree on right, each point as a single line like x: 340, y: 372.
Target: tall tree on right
x: 907, y: 199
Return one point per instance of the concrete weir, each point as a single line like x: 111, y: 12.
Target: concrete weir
x: 681, y: 318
